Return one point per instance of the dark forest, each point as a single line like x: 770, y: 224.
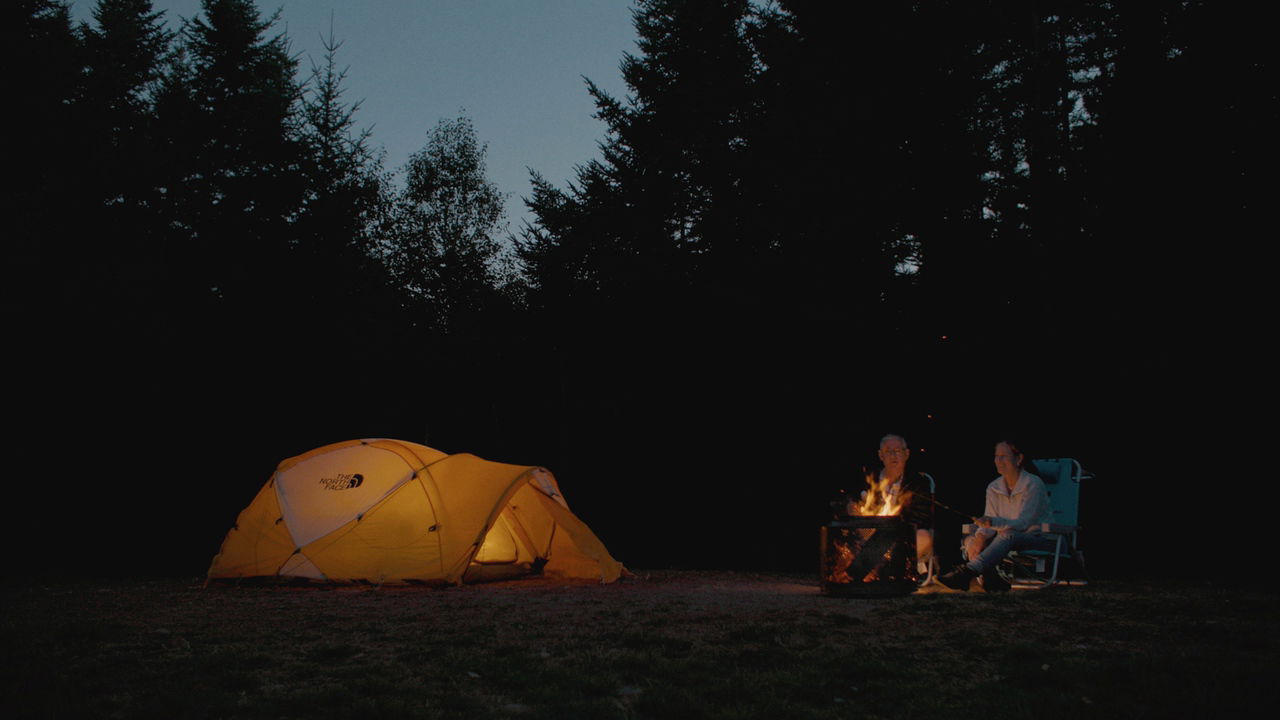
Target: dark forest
x: 810, y: 224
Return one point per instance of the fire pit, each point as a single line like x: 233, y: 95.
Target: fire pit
x: 869, y: 550
x: 868, y: 556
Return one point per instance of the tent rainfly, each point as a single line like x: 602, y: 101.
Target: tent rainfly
x: 389, y: 511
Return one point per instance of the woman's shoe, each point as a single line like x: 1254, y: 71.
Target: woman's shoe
x: 959, y: 578
x: 993, y: 583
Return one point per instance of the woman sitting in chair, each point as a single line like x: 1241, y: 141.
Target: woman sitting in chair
x: 1016, y: 501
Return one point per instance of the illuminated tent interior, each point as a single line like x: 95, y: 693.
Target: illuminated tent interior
x: 389, y: 511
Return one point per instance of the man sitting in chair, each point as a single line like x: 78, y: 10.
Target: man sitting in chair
x: 893, y: 474
x: 1016, y: 501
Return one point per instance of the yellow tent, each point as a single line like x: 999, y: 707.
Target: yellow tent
x: 389, y: 511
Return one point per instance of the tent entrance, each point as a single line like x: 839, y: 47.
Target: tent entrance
x: 500, y: 546
x: 505, y: 553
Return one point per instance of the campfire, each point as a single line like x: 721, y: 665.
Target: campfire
x: 881, y: 499
x: 869, y: 549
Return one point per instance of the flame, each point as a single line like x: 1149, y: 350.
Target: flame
x: 882, y: 497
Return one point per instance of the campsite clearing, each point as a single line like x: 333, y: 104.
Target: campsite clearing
x: 660, y: 644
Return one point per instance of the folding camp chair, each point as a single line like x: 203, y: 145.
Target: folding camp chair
x: 931, y: 568
x: 1064, y: 564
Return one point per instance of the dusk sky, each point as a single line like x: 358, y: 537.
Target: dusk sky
x: 515, y: 67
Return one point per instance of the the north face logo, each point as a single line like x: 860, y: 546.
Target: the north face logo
x: 344, y: 481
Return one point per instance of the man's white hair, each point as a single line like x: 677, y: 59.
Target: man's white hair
x: 891, y: 436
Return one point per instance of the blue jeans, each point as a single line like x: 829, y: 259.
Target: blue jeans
x: 1004, y: 543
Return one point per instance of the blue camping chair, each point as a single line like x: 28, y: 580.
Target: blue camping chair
x: 1064, y: 565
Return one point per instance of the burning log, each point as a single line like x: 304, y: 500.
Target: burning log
x: 868, y: 556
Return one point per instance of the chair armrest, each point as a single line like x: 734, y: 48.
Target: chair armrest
x: 1055, y: 528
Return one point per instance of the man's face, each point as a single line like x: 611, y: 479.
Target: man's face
x: 893, y: 454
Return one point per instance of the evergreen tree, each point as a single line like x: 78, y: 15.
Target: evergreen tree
x: 231, y: 187
x: 346, y: 201
x: 644, y: 224
x: 740, y: 176
x: 341, y: 163
x: 125, y: 51
x: 558, y: 271
x: 40, y: 302
x: 229, y: 110
x: 867, y: 161
x: 46, y: 199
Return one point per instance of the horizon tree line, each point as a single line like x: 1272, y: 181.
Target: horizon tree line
x: 760, y: 160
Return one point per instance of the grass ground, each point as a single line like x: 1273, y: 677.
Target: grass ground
x: 673, y: 644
